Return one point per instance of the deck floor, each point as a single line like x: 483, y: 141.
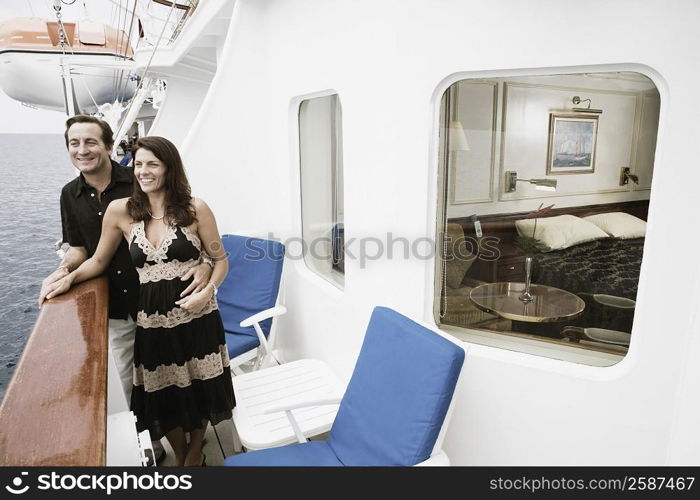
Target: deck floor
x: 211, y: 446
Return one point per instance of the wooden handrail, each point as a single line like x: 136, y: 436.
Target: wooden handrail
x: 55, y: 409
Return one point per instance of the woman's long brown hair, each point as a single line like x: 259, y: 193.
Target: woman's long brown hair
x: 178, y: 199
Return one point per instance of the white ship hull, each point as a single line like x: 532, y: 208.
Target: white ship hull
x: 390, y: 63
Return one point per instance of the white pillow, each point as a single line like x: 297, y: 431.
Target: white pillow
x: 561, y: 231
x: 619, y: 224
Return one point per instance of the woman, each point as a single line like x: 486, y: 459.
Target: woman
x: 182, y: 378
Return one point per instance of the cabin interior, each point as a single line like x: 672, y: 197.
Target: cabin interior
x: 554, y: 170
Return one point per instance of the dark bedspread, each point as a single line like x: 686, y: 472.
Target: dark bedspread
x: 609, y: 266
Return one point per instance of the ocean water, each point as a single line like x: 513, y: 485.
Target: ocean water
x: 33, y: 169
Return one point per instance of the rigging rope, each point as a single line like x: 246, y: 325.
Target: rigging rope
x: 148, y: 66
x: 61, y: 27
x: 82, y: 80
x: 117, y: 73
x: 63, y: 41
x: 122, y: 81
x: 111, y: 15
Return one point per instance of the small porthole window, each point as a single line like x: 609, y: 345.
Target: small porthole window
x: 321, y: 173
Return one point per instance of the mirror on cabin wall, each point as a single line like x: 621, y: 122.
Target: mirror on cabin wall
x: 545, y: 186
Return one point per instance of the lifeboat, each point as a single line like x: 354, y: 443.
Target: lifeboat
x: 40, y: 65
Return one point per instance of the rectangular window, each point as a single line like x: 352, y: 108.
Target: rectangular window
x: 545, y: 186
x: 321, y: 163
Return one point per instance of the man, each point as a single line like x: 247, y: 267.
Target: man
x: 84, y: 200
x: 126, y: 159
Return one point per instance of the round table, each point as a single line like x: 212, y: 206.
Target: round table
x: 548, y: 304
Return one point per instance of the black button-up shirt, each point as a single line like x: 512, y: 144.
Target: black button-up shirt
x: 82, y: 211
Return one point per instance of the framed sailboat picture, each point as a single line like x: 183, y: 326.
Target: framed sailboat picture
x: 572, y: 143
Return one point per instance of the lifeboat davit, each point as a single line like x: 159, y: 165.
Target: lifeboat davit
x: 33, y: 60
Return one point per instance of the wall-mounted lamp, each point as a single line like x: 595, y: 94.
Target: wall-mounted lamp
x: 577, y: 100
x: 457, y: 138
x: 540, y: 184
x: 626, y: 176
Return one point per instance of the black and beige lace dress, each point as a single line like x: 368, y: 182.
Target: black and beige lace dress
x: 181, y: 364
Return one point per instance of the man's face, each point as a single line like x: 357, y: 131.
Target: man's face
x: 87, y: 151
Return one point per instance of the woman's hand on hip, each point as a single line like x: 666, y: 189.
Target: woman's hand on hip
x: 200, y: 275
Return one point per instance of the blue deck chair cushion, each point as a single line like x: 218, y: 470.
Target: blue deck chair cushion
x: 237, y: 344
x: 399, y: 393
x: 316, y: 453
x: 251, y: 286
x: 394, y: 406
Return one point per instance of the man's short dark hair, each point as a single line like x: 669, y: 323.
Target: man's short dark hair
x: 107, y: 134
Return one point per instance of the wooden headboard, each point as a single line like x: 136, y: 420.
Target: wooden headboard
x: 499, y: 232
x: 503, y: 225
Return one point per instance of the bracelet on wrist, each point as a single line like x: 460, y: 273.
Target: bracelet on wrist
x: 223, y: 257
x: 64, y: 267
x: 213, y: 285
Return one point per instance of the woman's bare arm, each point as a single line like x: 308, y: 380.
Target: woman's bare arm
x: 208, y: 233
x: 109, y: 242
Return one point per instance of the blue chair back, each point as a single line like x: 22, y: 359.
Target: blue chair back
x: 399, y: 393
x: 252, y: 283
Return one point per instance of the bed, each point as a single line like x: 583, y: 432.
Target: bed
x: 608, y: 265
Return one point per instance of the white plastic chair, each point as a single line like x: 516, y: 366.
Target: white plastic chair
x: 395, y: 409
x: 260, y: 424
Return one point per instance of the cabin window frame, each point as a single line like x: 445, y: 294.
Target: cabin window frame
x: 441, y: 199
x: 335, y: 274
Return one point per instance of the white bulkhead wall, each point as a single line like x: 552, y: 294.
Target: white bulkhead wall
x: 179, y: 109
x: 390, y: 61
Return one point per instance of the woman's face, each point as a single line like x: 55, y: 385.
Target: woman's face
x: 149, y: 171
